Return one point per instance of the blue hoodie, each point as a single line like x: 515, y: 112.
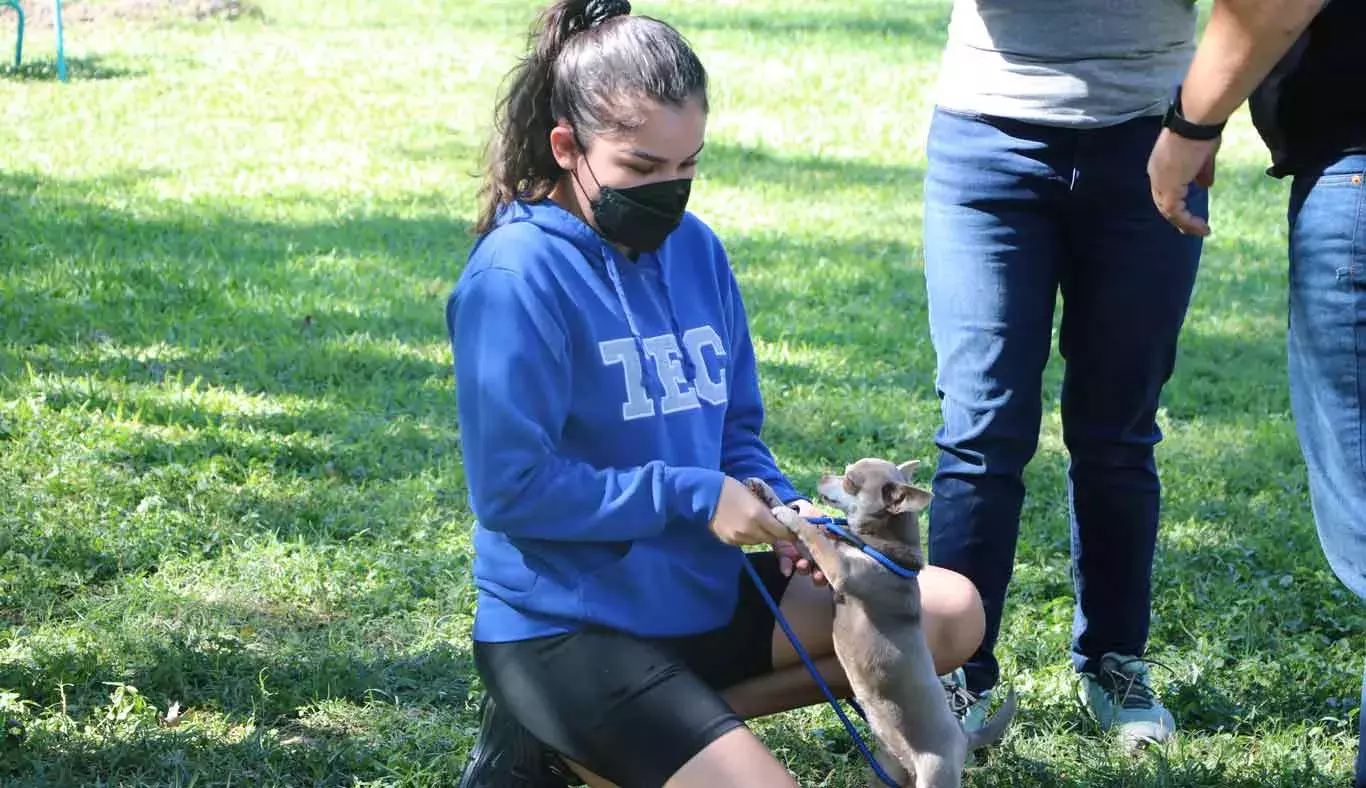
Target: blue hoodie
x: 601, y: 402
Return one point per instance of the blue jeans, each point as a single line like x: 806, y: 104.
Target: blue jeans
x: 1327, y: 358
x: 1015, y: 213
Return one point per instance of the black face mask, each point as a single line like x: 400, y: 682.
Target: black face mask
x: 640, y: 217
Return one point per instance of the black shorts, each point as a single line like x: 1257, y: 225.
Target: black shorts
x: 634, y: 710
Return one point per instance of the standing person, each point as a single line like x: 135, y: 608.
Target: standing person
x: 1036, y: 183
x: 610, y: 408
x: 1307, y: 63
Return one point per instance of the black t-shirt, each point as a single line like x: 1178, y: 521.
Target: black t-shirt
x: 1311, y: 109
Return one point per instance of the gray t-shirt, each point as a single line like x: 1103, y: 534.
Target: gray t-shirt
x: 1066, y: 62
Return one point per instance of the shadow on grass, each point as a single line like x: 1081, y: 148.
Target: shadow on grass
x: 248, y: 375
x: 326, y: 441
x: 320, y: 720
x: 234, y: 658
x: 198, y: 282
x: 1011, y: 769
x: 79, y: 69
x: 272, y: 694
x: 372, y: 746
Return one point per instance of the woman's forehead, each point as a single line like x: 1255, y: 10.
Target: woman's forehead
x: 667, y: 133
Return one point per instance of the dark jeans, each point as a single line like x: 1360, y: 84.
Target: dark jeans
x: 1327, y: 360
x: 1015, y: 212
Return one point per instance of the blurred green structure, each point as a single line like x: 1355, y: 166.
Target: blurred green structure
x: 19, y: 36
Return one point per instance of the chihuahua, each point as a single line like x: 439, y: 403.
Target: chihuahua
x: 877, y: 634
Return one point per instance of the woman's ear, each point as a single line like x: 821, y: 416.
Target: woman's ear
x: 563, y: 146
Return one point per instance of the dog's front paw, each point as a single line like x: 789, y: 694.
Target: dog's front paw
x: 789, y: 518
x: 805, y: 530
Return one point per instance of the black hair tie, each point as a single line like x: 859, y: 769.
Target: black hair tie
x: 599, y: 11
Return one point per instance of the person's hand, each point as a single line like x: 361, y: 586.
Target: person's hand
x: 790, y: 557
x: 1176, y: 163
x: 742, y: 519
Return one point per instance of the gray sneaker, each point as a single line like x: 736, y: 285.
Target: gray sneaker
x: 1119, y: 697
x: 969, y: 707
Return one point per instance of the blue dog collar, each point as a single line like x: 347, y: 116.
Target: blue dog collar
x: 838, y: 528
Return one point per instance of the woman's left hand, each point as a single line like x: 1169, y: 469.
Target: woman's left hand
x: 790, y: 557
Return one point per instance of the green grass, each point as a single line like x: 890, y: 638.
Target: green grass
x: 229, y: 471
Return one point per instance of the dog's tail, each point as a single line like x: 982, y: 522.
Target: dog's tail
x: 996, y: 727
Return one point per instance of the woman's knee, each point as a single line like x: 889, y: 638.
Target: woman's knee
x: 955, y: 620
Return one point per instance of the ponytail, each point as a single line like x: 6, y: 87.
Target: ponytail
x: 587, y: 61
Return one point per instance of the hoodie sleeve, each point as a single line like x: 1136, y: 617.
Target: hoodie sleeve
x: 513, y: 379
x: 743, y: 452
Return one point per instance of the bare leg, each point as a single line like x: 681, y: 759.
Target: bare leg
x: 952, y: 615
x: 786, y: 688
x: 952, y: 618
x: 589, y: 777
x: 953, y: 621
x: 736, y: 760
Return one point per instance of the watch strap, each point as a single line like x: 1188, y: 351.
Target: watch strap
x: 1177, y: 122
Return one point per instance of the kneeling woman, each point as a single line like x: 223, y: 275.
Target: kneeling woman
x: 609, y: 410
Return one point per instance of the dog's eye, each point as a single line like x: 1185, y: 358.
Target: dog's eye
x: 849, y: 485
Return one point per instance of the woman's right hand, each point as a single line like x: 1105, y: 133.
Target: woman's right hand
x: 742, y: 519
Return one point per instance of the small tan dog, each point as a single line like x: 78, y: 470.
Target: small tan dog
x: 878, y: 636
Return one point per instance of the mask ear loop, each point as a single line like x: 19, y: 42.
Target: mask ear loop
x: 583, y: 154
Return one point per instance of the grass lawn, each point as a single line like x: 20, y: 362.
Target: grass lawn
x: 229, y: 468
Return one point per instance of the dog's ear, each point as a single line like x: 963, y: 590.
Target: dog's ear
x: 903, y: 498
x: 908, y: 468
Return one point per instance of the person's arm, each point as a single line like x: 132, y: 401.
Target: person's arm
x: 1243, y: 41
x: 513, y: 387
x: 743, y: 451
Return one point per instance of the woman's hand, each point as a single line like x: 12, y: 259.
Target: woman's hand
x: 742, y: 519
x: 790, y: 558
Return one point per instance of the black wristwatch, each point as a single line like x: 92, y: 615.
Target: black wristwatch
x: 1177, y: 122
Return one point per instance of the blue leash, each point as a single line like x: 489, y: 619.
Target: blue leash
x: 836, y: 527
